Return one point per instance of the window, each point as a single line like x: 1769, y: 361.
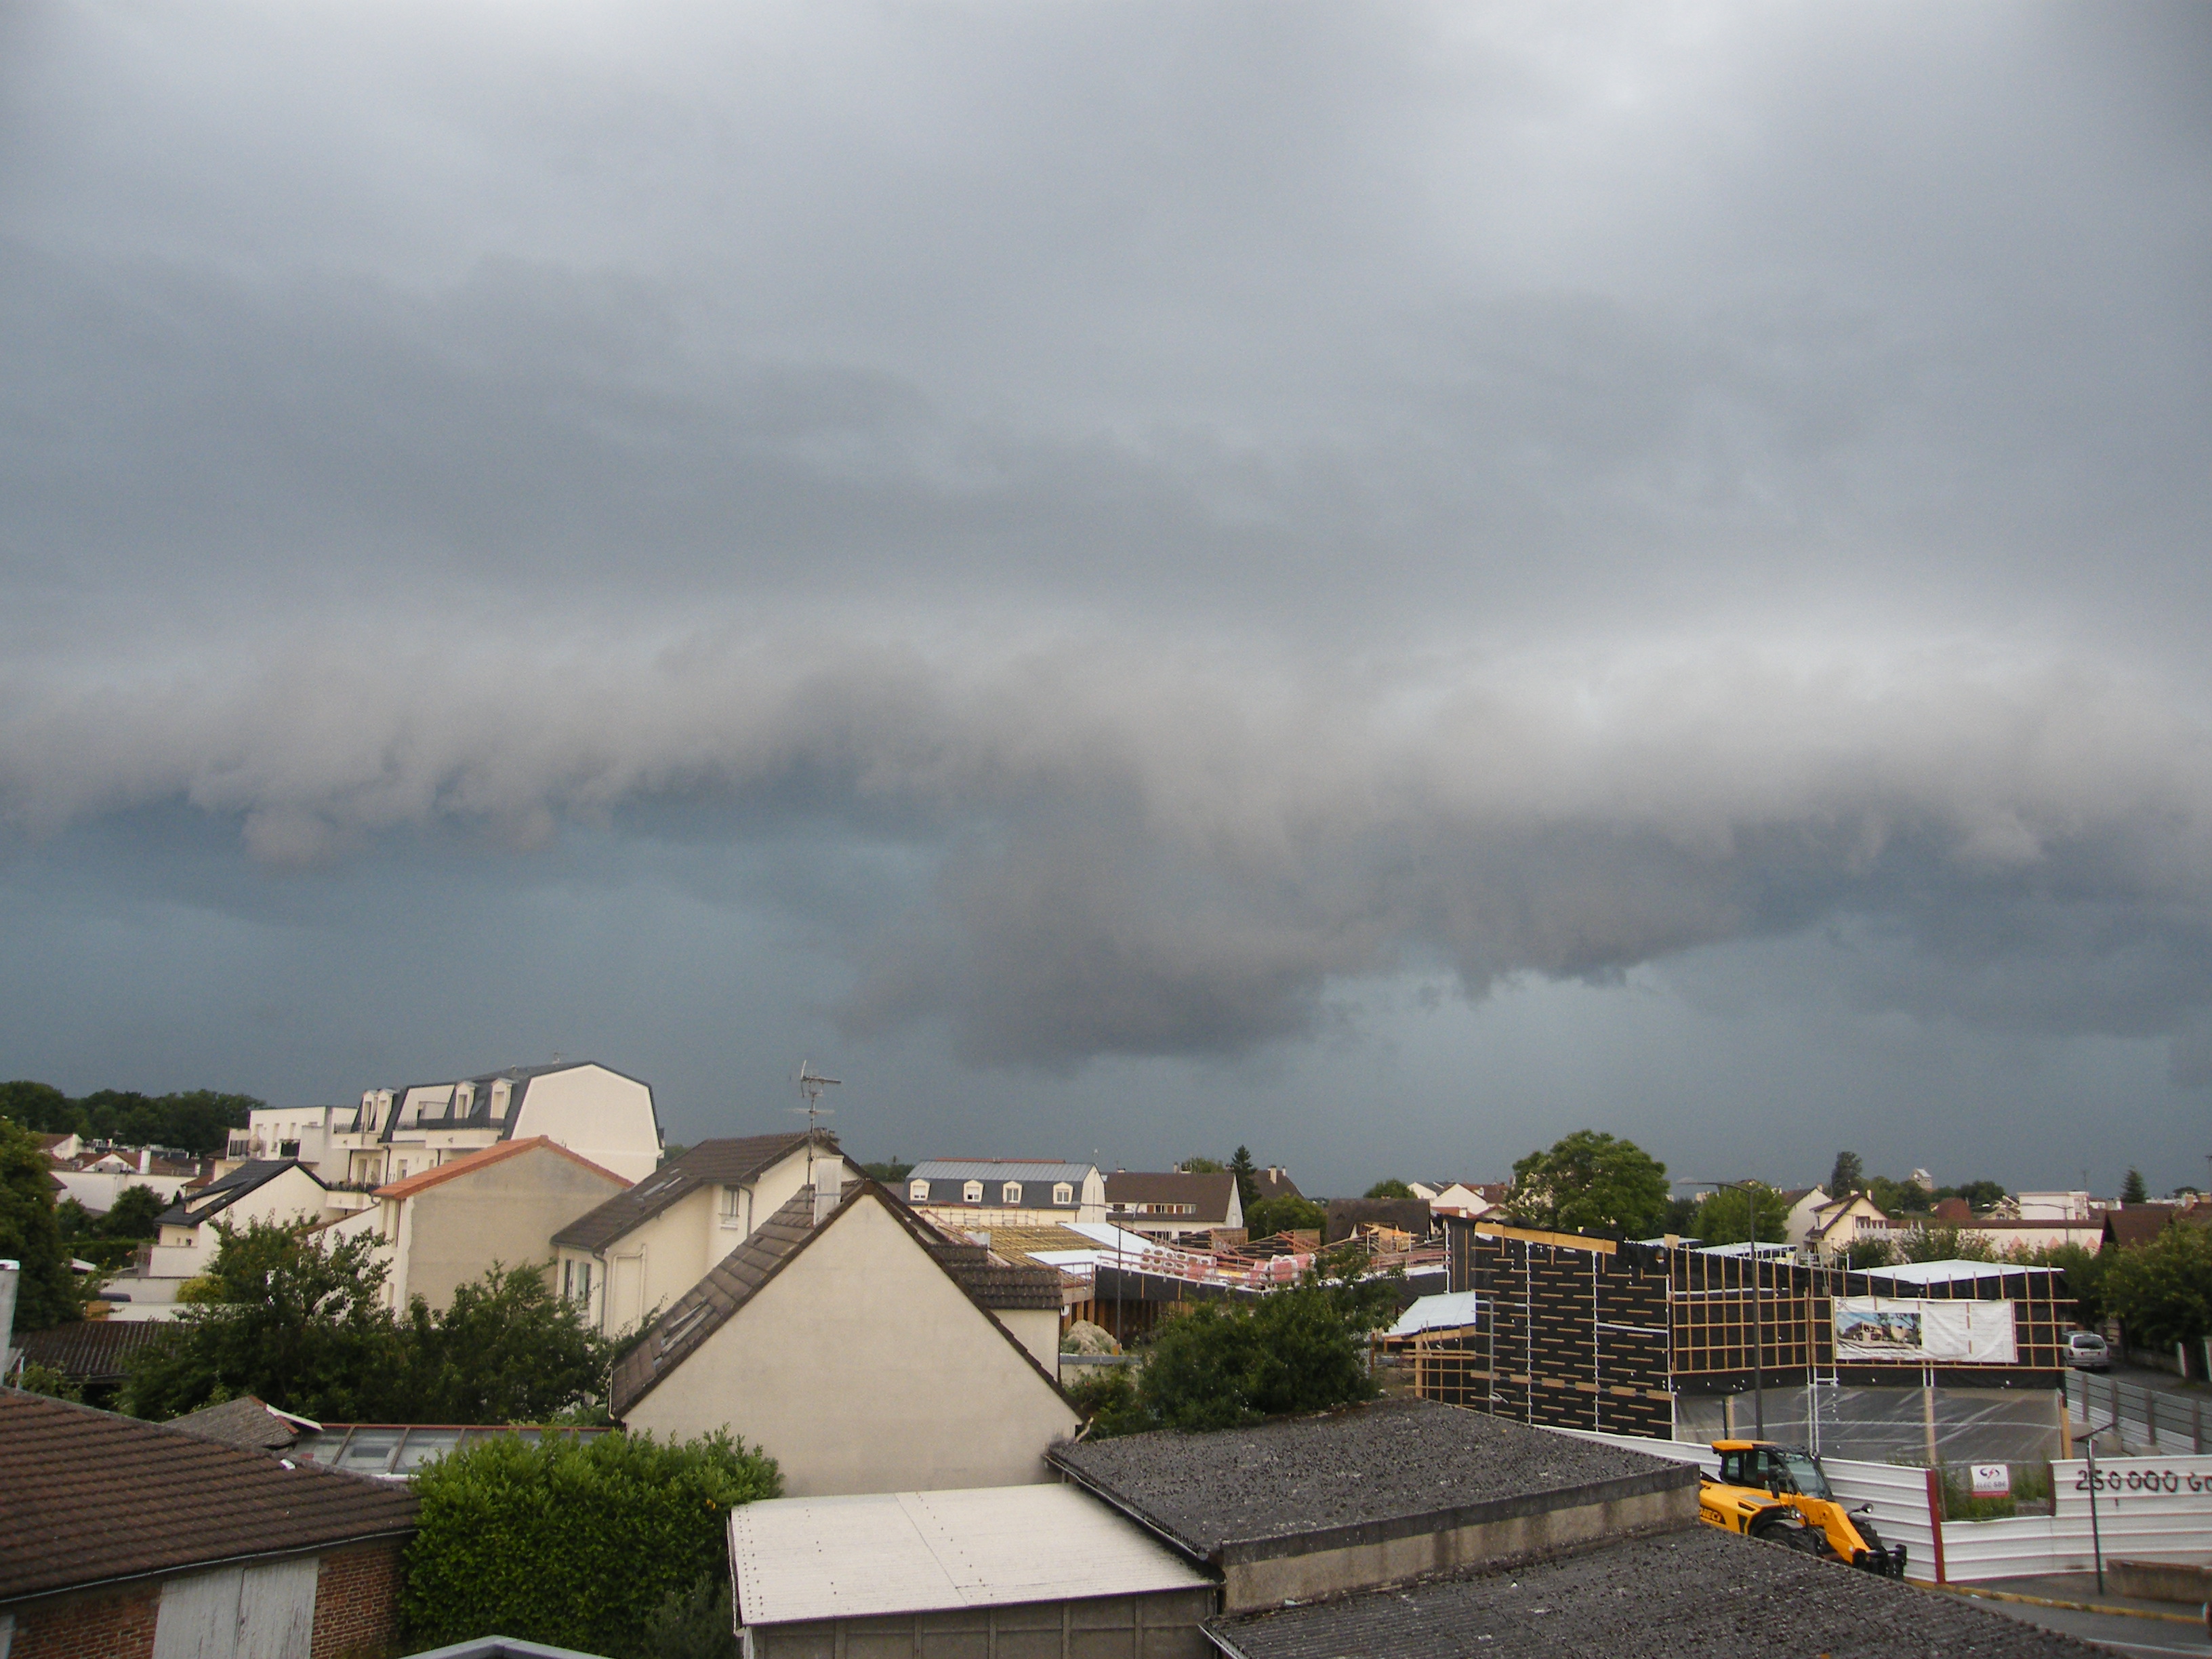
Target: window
x: 583, y: 1281
x: 1010, y: 1194
x: 733, y: 1206
x: 972, y: 1193
x: 917, y: 1191
x: 287, y: 1149
x: 1063, y: 1193
x: 568, y: 1281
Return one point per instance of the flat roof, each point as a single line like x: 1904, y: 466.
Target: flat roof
x: 1693, y: 1593
x: 1948, y: 1273
x: 1446, y: 1312
x: 798, y: 1559
x: 1402, y: 1465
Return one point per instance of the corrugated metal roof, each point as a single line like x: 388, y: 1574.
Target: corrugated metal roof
x: 1439, y: 1313
x: 799, y: 1558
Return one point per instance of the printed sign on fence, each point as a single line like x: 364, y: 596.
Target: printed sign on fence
x: 1992, y: 1481
x: 1877, y: 1327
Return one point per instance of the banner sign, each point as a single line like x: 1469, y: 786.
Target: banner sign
x: 1925, y: 1333
x: 1992, y: 1479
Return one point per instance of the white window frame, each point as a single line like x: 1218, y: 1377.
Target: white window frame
x: 972, y: 1193
x: 1010, y: 1195
x: 732, y: 1212
x: 1063, y: 1193
x: 917, y: 1191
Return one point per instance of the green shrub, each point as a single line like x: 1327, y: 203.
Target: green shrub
x: 35, y: 1378
x: 696, y: 1624
x: 578, y: 1544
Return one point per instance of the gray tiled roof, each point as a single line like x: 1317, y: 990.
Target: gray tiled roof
x: 999, y: 1169
x: 738, y: 1277
x: 1694, y: 1594
x: 212, y: 1200
x: 726, y: 1163
x: 1388, y: 1462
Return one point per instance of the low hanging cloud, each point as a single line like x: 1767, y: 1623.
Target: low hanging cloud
x: 1139, y: 851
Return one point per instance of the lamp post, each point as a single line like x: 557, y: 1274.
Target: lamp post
x: 1750, y: 1189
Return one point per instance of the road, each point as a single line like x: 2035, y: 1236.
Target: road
x: 2154, y: 1638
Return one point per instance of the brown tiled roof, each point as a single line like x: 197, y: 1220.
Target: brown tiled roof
x: 498, y: 1154
x: 2138, y: 1223
x: 1347, y: 1215
x: 1208, y: 1193
x: 244, y: 1421
x: 771, y: 1246
x: 1271, y: 1185
x: 87, y: 1497
x: 998, y: 1284
x: 726, y: 1163
x: 90, y: 1350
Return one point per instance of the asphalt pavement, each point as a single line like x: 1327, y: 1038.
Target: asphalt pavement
x: 2154, y: 1638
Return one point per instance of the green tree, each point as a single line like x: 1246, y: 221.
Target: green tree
x: 1943, y: 1244
x: 1848, y: 1176
x: 1248, y: 1177
x: 575, y: 1543
x: 2083, y: 1271
x: 1287, y: 1214
x: 1982, y: 1194
x: 507, y: 1349
x: 30, y: 1232
x: 1392, y: 1187
x: 890, y: 1171
x: 2132, y: 1190
x: 1727, y: 1215
x: 1223, y: 1363
x: 1900, y: 1197
x: 1202, y: 1166
x: 38, y: 1107
x: 1862, y: 1254
x: 1590, y: 1183
x: 696, y: 1624
x: 2162, y: 1289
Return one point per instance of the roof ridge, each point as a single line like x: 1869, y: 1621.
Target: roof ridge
x: 470, y: 1161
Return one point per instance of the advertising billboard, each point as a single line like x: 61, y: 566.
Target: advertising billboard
x: 1924, y: 1332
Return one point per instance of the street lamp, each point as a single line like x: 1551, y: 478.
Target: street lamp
x: 1751, y: 1189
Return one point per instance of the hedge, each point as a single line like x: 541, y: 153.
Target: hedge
x: 574, y: 1543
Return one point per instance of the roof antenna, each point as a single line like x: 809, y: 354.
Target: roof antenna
x: 812, y: 1082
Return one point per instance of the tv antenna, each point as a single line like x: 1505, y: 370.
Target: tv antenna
x: 812, y: 1082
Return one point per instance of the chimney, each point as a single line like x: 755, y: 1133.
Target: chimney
x: 9, y: 1272
x: 829, y: 1187
x: 145, y: 1160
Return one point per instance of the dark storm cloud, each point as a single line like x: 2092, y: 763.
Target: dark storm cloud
x: 1190, y: 508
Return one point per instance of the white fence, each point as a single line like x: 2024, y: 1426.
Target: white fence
x: 2150, y: 1420
x: 2148, y: 1508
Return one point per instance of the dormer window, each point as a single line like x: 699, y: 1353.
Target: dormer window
x: 1010, y: 1194
x: 500, y: 1093
x: 917, y: 1191
x: 972, y: 1193
x: 1063, y: 1193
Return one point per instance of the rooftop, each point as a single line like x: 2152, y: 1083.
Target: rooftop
x: 1691, y: 1593
x: 1394, y: 1462
x: 88, y: 1498
x: 731, y: 1162
x: 1950, y: 1273
x: 999, y: 1169
x: 221, y: 1193
x: 473, y: 1163
x: 799, y: 1558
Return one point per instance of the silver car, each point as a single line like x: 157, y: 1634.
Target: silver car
x: 2085, y: 1351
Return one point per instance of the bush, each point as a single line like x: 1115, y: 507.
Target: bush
x: 2162, y: 1291
x: 580, y: 1544
x: 35, y: 1378
x: 697, y: 1624
x: 1287, y: 1214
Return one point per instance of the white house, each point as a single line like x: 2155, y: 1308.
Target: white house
x: 1171, y: 1205
x: 276, y: 1192
x: 308, y: 1134
x: 1841, y: 1222
x: 994, y: 1191
x: 861, y: 1351
x: 1804, y: 1204
x: 637, y: 1252
x: 593, y: 1110
x: 447, y: 1226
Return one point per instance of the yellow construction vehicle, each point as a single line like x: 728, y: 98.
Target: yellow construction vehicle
x: 1781, y: 1493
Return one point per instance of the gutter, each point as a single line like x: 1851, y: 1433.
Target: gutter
x: 27, y: 1598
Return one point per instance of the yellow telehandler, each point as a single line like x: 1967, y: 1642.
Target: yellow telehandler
x: 1781, y: 1493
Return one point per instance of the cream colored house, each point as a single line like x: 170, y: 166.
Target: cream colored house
x: 862, y: 1351
x: 1805, y: 1204
x: 593, y: 1110
x: 277, y: 1193
x: 447, y: 1226
x: 1006, y: 1192
x: 1843, y: 1222
x: 639, y: 1251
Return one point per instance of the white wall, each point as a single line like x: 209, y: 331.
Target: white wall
x: 593, y: 1111
x: 863, y: 1367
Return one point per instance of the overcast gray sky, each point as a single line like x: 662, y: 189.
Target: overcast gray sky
x: 1380, y: 581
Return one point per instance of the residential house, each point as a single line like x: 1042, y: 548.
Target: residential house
x: 985, y: 1192
x: 1804, y: 1204
x: 2138, y: 1223
x: 591, y: 1109
x: 641, y: 1249
x: 1273, y: 1182
x: 1834, y: 1227
x: 276, y: 1191
x: 2051, y: 1206
x: 1170, y: 1207
x: 864, y: 1351
x: 92, y: 1354
x: 1468, y: 1199
x: 310, y: 1134
x: 62, y: 1148
x: 124, y: 1540
x: 446, y: 1227
x: 96, y: 1181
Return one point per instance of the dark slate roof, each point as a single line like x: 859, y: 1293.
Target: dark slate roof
x: 2138, y: 1223
x: 479, y: 1112
x: 1393, y: 1461
x: 1697, y: 1593
x: 772, y: 1246
x: 244, y: 1421
x: 1346, y: 1215
x: 87, y: 1497
x: 729, y: 1163
x: 220, y: 1194
x: 90, y: 1350
x: 1209, y: 1194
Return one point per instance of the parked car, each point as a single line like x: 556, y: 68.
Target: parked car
x: 2085, y: 1351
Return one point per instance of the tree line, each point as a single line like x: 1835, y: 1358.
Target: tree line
x: 196, y: 1121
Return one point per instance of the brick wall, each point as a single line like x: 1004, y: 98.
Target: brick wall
x: 357, y: 1600
x: 109, y: 1624
x: 356, y: 1613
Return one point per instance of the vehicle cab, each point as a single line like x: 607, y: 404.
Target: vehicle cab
x: 1782, y: 1470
